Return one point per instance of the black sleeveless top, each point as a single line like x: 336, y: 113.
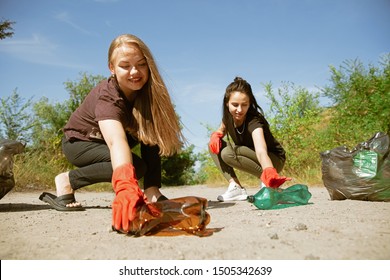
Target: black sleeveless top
x: 242, y: 136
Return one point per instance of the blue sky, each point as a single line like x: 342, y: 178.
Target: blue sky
x: 199, y: 45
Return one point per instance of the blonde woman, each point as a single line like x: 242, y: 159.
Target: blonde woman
x: 132, y: 106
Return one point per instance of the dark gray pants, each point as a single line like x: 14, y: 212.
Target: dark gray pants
x: 241, y: 158
x: 94, y: 163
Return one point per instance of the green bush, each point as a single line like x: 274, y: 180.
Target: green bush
x: 361, y: 101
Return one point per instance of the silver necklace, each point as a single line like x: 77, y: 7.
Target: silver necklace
x: 242, y: 131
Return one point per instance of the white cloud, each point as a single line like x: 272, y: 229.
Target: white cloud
x: 37, y: 50
x: 64, y: 17
x: 35, y: 45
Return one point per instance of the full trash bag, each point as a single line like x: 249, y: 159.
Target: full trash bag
x: 362, y: 173
x: 8, y: 148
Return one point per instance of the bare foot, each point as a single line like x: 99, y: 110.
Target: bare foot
x: 63, y: 187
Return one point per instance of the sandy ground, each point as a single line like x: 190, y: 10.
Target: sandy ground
x: 323, y: 230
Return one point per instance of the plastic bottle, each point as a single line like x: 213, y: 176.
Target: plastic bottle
x: 169, y: 217
x: 269, y: 198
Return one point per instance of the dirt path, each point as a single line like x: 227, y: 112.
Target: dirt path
x: 324, y: 229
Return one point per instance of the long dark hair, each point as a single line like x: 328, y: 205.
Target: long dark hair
x: 240, y: 85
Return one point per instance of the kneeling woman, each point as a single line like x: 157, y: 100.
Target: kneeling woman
x: 132, y: 106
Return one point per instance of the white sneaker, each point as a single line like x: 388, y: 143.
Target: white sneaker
x: 234, y: 192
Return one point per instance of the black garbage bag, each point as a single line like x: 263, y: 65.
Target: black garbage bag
x: 8, y: 148
x: 362, y: 173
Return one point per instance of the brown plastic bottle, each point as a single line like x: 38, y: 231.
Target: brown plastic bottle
x: 183, y: 215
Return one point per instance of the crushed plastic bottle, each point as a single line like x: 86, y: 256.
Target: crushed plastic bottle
x: 270, y: 198
x: 183, y: 215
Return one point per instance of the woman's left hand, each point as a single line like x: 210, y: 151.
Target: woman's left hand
x: 271, y: 178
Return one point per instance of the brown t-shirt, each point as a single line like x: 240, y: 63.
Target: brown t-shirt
x: 244, y: 138
x: 104, y: 102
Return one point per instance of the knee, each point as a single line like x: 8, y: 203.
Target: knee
x: 228, y: 155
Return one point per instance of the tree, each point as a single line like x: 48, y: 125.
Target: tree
x: 16, y: 122
x: 51, y: 118
x: 4, y: 26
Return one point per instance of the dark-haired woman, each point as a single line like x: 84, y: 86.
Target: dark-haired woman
x: 250, y: 145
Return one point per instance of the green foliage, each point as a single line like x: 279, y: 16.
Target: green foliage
x: 179, y: 169
x: 361, y: 107
x: 15, y: 119
x: 207, y: 172
x: 361, y: 101
x: 51, y: 118
x: 6, y: 29
x: 295, y: 114
x: 35, y: 169
x: 290, y: 103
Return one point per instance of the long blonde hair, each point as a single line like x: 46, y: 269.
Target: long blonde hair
x: 155, y: 121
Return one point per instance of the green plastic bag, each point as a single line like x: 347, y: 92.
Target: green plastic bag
x: 365, y: 164
x: 362, y: 173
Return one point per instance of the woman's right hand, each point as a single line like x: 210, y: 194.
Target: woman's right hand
x: 215, y: 142
x: 128, y: 197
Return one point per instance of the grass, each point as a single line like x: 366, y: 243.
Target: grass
x: 37, y: 172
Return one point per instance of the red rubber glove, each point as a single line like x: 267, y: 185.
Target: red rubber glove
x: 215, y: 143
x: 128, y: 196
x: 271, y: 178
